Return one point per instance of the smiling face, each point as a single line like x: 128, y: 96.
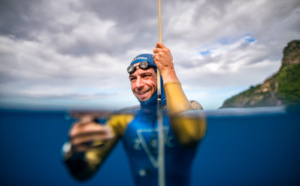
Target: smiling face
x: 143, y: 83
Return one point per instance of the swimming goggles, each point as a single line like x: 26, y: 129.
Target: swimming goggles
x: 143, y: 65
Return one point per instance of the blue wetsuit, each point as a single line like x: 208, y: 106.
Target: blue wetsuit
x: 139, y: 134
x: 140, y: 142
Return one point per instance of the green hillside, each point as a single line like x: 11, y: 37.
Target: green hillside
x: 283, y: 88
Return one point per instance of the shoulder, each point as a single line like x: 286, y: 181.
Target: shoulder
x: 119, y: 122
x: 196, y: 105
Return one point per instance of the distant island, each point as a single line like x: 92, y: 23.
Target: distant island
x: 283, y: 88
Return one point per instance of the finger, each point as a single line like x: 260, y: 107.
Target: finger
x: 156, y: 50
x: 83, y: 121
x: 154, y: 57
x: 158, y: 53
x: 90, y: 129
x: 87, y: 128
x: 156, y: 60
x: 160, y: 45
x: 104, y: 134
x: 81, y: 147
x: 78, y: 140
x: 86, y: 119
x: 86, y: 147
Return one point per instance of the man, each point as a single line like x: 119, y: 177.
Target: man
x: 139, y: 133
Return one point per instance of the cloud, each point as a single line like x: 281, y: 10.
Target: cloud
x: 79, y: 50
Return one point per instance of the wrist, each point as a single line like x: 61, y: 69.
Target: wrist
x: 68, y: 154
x: 169, y: 76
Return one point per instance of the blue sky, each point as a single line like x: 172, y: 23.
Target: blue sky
x: 74, y: 54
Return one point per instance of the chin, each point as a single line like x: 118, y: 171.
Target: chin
x: 144, y: 99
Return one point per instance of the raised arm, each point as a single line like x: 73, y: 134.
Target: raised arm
x: 176, y: 99
x: 187, y: 131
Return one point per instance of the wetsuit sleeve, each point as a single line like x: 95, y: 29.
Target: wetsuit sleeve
x: 85, y: 167
x: 187, y: 131
x: 176, y: 99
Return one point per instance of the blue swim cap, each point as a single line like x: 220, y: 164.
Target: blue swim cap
x: 144, y: 57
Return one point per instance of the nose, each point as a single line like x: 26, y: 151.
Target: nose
x: 139, y: 83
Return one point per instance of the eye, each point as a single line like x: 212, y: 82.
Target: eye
x: 131, y: 78
x: 146, y: 75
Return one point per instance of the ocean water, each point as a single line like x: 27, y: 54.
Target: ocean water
x: 259, y: 146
